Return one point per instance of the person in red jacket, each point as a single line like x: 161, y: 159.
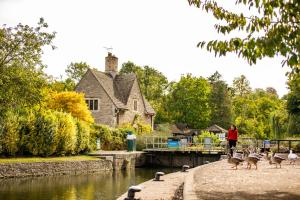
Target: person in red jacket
x: 232, y: 137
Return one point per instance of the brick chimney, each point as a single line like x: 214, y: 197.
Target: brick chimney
x: 111, y: 64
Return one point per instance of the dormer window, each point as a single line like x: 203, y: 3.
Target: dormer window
x: 92, y: 103
x: 135, y: 105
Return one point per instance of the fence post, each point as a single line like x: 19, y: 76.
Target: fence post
x: 153, y: 142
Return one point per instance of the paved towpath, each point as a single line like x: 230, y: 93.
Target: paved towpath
x: 219, y: 181
x: 160, y: 190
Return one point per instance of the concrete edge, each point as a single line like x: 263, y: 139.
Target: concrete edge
x: 147, y: 184
x: 188, y: 188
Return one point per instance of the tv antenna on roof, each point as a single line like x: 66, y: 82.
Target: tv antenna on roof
x: 108, y: 49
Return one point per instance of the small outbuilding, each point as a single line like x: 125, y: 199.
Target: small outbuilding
x: 217, y: 130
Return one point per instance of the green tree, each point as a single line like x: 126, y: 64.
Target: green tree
x: 189, y: 101
x: 76, y: 70
x: 152, y: 82
x: 271, y: 29
x: 279, y: 122
x: 220, y: 101
x: 241, y: 86
x: 257, y: 114
x: 23, y: 44
x: 293, y: 105
x: 21, y: 77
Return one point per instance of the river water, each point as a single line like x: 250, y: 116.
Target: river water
x: 100, y: 186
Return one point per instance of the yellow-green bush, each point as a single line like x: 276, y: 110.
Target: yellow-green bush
x: 139, y: 128
x: 66, y: 134
x: 26, y: 127
x: 9, y: 136
x: 111, y: 138
x: 43, y: 138
x: 83, y: 136
x: 204, y: 134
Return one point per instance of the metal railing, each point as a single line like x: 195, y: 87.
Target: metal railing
x: 282, y: 146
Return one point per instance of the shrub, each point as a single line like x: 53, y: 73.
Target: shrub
x: 9, y: 133
x: 139, y: 128
x: 83, y: 136
x: 204, y: 134
x: 66, y: 134
x: 43, y: 138
x: 26, y: 127
x: 111, y: 138
x: 71, y: 102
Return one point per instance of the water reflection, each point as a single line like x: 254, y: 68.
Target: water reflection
x: 106, y: 185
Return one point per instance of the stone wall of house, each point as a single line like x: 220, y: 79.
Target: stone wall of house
x: 92, y: 89
x: 129, y: 115
x: 11, y: 170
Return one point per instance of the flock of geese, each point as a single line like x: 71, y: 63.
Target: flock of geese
x: 251, y: 157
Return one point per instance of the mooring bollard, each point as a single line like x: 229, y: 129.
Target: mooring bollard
x: 131, y: 192
x: 158, y: 175
x: 185, y: 168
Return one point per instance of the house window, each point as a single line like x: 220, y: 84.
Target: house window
x: 93, y: 104
x: 135, y: 105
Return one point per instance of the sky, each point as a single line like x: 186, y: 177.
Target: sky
x: 161, y: 34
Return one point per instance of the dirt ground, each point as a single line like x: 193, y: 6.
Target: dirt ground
x: 219, y: 181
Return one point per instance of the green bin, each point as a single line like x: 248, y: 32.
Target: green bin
x: 131, y: 142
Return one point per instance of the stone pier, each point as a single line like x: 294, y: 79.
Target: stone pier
x: 122, y: 159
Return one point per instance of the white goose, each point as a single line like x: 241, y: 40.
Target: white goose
x: 292, y: 157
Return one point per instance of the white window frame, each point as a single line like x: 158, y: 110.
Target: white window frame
x: 93, y: 99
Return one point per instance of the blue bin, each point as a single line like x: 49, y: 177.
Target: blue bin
x: 173, y: 144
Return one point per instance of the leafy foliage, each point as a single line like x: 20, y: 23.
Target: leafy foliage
x: 111, y: 139
x: 75, y: 71
x: 241, y: 86
x: 66, y: 134
x: 189, y: 101
x: 83, y: 137
x: 220, y: 101
x: 23, y: 44
x: 207, y: 134
x: 272, y: 29
x: 9, y: 138
x: 252, y: 114
x: 43, y: 139
x: 21, y: 76
x: 73, y: 103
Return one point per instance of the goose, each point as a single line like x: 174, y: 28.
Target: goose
x: 234, y: 160
x: 292, y: 157
x: 252, y: 159
x: 275, y: 159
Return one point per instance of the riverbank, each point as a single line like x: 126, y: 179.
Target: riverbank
x: 218, y: 181
x: 31, y: 167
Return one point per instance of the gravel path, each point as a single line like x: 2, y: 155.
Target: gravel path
x: 219, y: 181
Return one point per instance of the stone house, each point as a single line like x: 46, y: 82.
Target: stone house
x: 113, y: 98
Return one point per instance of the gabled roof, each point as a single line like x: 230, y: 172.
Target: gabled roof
x: 216, y: 129
x: 107, y: 83
x: 118, y: 88
x: 148, y: 107
x: 122, y: 86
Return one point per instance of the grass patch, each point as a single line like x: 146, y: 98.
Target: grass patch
x: 50, y: 159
